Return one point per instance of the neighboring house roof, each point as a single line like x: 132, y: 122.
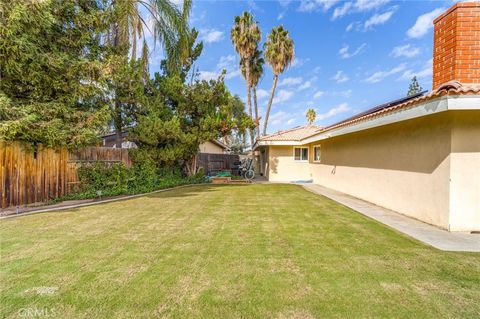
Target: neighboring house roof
x: 295, y: 134
x: 449, y: 89
x: 222, y: 145
x: 124, y: 134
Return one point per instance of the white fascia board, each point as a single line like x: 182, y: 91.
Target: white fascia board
x: 422, y: 109
x: 464, y: 102
x: 268, y: 143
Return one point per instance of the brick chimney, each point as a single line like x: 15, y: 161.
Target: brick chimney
x: 456, y: 45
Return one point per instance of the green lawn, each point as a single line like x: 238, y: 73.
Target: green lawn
x: 264, y: 251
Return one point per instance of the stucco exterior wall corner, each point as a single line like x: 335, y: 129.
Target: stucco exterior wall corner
x: 464, y: 174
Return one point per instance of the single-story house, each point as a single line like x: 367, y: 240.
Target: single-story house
x: 210, y: 147
x: 110, y: 140
x: 214, y: 147
x: 419, y: 156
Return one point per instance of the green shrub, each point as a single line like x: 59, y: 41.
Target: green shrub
x: 102, y: 179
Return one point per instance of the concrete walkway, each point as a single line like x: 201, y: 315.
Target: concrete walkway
x: 431, y: 235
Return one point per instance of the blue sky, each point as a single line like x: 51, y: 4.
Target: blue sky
x: 350, y: 55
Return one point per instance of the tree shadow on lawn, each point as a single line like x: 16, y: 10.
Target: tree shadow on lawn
x: 192, y: 190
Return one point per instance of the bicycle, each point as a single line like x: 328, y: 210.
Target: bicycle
x: 246, y: 169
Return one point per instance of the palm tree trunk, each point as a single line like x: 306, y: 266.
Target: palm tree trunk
x: 257, y: 120
x: 272, y: 93
x: 251, y: 131
x: 117, y: 107
x: 249, y: 101
x: 117, y: 123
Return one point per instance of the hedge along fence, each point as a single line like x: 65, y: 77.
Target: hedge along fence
x: 37, y: 174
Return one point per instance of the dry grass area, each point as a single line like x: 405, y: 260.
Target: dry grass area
x: 265, y: 251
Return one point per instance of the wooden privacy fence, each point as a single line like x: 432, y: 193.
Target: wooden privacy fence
x: 214, y: 163
x: 31, y: 175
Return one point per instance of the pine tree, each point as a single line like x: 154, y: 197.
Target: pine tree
x: 53, y: 70
x: 414, y: 87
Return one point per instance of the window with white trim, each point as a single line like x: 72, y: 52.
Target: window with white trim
x: 317, y: 153
x: 300, y: 154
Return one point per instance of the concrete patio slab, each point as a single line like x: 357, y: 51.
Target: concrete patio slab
x: 428, y: 234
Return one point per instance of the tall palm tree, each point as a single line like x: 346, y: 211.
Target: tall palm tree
x: 311, y: 116
x: 256, y: 73
x: 245, y: 35
x: 170, y: 27
x: 279, y: 53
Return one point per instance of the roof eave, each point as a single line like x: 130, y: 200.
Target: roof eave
x: 217, y: 142
x: 436, y: 105
x: 275, y: 143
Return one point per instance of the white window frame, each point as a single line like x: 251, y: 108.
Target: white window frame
x: 301, y: 160
x: 320, y: 147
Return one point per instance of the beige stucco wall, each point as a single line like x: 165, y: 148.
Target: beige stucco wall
x: 212, y: 148
x: 282, y: 167
x: 465, y: 171
x: 402, y: 166
x: 427, y: 168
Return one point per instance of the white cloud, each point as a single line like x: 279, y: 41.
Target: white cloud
x: 407, y: 51
x: 284, y: 3
x: 340, y: 77
x: 342, y: 108
x: 342, y: 10
x: 346, y: 93
x: 297, y: 62
x: 232, y: 74
x: 345, y: 54
x: 207, y: 75
x: 357, y: 6
x: 349, y: 27
x: 318, y: 94
x: 282, y: 118
x: 365, y: 5
x: 282, y: 96
x: 380, y: 75
x: 425, y: 72
x: 261, y: 94
x: 314, y: 5
x: 253, y: 6
x: 317, y: 70
x: 378, y: 19
x: 305, y: 85
x: 211, y: 35
x: 227, y: 63
x: 290, y: 81
x: 196, y: 17
x: 424, y: 23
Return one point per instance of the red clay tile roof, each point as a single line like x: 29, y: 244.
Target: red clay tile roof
x: 301, y: 132
x: 294, y: 134
x: 449, y: 88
